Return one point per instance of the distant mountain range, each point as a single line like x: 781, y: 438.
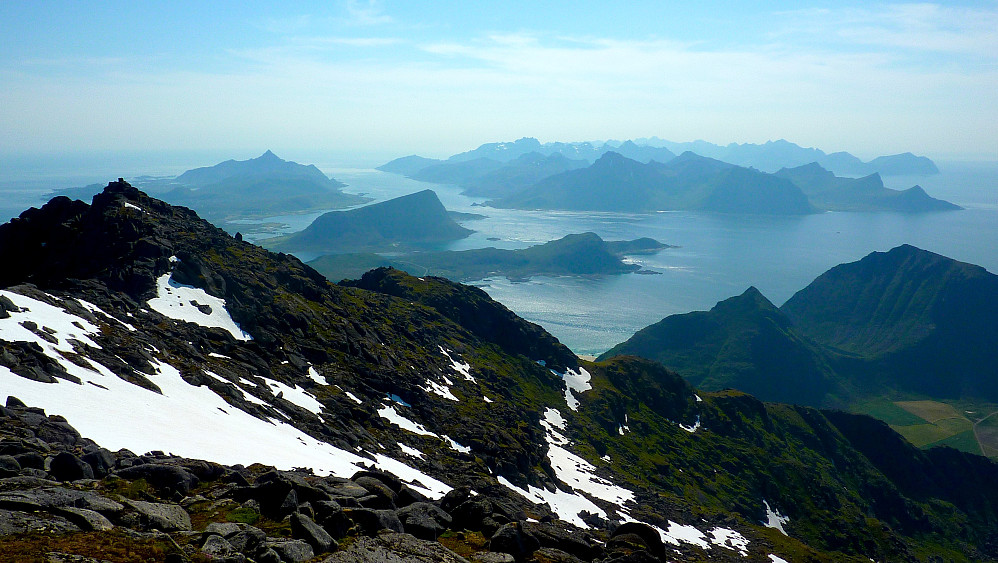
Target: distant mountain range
x: 584, y: 254
x: 406, y: 222
x: 906, y: 321
x: 641, y: 178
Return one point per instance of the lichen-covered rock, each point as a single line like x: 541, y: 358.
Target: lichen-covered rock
x: 160, y: 516
x: 394, y: 548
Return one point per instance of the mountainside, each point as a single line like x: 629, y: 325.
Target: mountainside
x: 425, y: 421
x: 403, y: 222
x: 834, y: 193
x: 584, y: 254
x: 520, y: 173
x: 617, y: 183
x: 927, y: 321
x: 407, y: 165
x: 258, y: 187
x: 743, y: 343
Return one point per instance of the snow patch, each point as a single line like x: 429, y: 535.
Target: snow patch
x: 389, y: 413
x: 487, y: 400
x: 463, y: 368
x: 408, y: 450
x: 95, y: 309
x: 296, y: 395
x: 566, y: 505
x: 455, y: 445
x: 691, y: 429
x: 774, y: 519
x: 577, y: 382
x: 315, y: 376
x: 438, y: 389
x: 176, y: 301
x: 776, y: 559
x: 726, y: 537
x: 129, y: 205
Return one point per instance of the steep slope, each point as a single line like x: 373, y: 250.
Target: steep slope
x: 926, y: 321
x: 406, y: 221
x: 834, y: 193
x: 743, y: 343
x: 149, y: 329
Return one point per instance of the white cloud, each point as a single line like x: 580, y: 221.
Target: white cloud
x: 366, y: 13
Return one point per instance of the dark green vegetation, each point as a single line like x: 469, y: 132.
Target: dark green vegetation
x: 641, y: 178
x: 403, y: 223
x: 904, y: 323
x: 851, y: 487
x: 827, y: 191
x: 583, y: 254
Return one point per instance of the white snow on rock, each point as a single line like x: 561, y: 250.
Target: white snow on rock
x: 623, y: 428
x: 454, y: 445
x: 463, y: 368
x: 296, y: 395
x: 129, y: 205
x: 684, y: 533
x: 176, y: 301
x: 487, y: 400
x: 351, y: 396
x: 691, y: 429
x: 726, y: 537
x: 315, y: 376
x: 566, y: 505
x: 188, y: 421
x: 389, y: 413
x: 776, y: 559
x: 577, y: 382
x: 61, y: 325
x: 97, y: 310
x: 409, y: 450
x: 699, y: 400
x: 438, y: 389
x: 774, y: 519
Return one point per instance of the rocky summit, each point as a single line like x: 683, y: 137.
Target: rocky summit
x: 177, y: 394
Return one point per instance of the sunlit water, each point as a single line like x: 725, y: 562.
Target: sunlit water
x: 717, y: 257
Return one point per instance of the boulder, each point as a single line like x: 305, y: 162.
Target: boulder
x: 552, y: 555
x: 100, y: 461
x: 9, y: 466
x: 303, y: 528
x: 513, y: 540
x: 67, y: 467
x: 372, y: 521
x: 394, y: 548
x: 292, y: 551
x: 87, y: 520
x: 424, y: 520
x: 163, y: 517
x: 167, y: 478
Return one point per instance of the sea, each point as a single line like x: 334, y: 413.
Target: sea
x: 713, y: 256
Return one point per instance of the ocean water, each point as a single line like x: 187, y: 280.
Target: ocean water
x: 716, y: 256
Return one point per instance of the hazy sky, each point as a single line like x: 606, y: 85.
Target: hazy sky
x: 437, y: 78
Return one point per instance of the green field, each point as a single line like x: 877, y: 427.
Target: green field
x: 928, y: 424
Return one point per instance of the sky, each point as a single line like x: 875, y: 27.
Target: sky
x: 398, y: 78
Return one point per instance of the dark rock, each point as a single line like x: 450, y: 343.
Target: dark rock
x: 248, y: 539
x: 9, y: 466
x: 167, y: 478
x: 303, y: 528
x: 372, y: 521
x: 101, y: 461
x: 407, y: 495
x: 514, y: 541
x: 390, y: 481
x: 12, y: 401
x: 268, y: 555
x: 424, y: 520
x: 454, y: 497
x: 384, y: 496
x: 164, y: 517
x: 18, y: 522
x: 470, y: 513
x: 492, y: 557
x: 569, y: 539
x: 394, y: 548
x: 67, y: 467
x: 47, y: 498
x: 216, y: 548
x: 290, y: 503
x: 292, y: 551
x: 638, y: 533
x: 224, y: 529
x: 552, y: 555
x: 30, y: 460
x: 330, y: 514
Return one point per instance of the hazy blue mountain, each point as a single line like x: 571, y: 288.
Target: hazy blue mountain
x: 502, y: 151
x: 774, y: 155
x: 459, y: 172
x: 616, y: 183
x: 641, y: 153
x: 584, y: 254
x: 412, y: 220
x: 925, y: 321
x: 834, y: 193
x: 520, y: 173
x: 743, y: 343
x: 267, y: 164
x: 408, y: 165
